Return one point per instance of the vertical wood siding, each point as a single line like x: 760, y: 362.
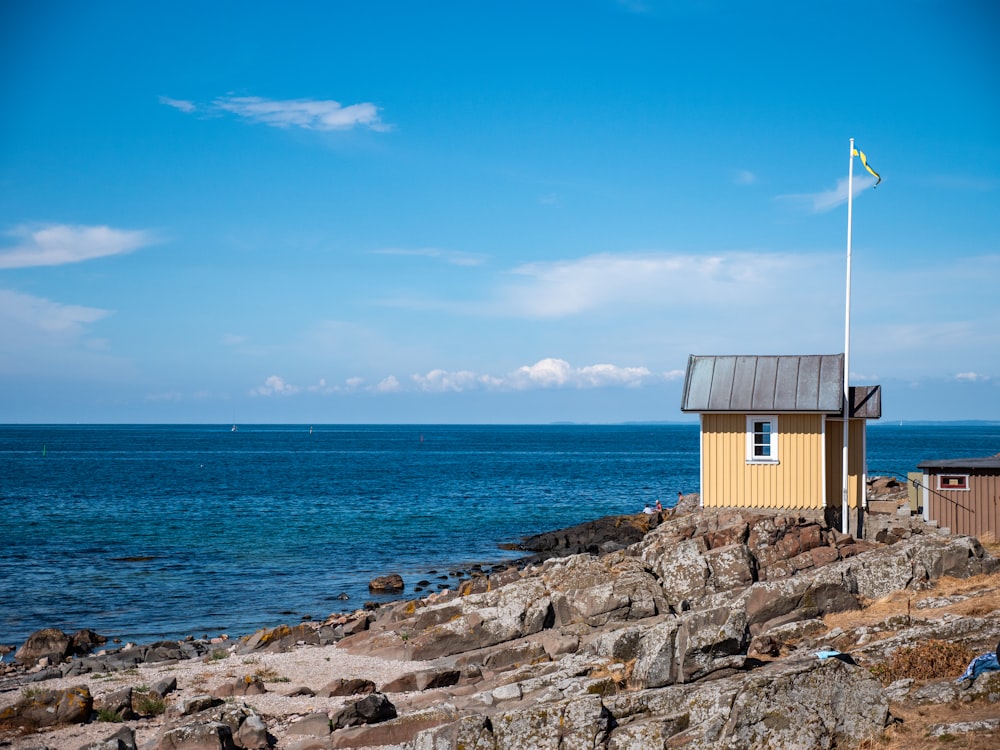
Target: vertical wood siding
x: 796, y: 481
x: 974, y: 512
x: 834, y: 461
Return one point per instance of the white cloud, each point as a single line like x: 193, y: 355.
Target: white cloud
x: 596, y: 376
x: 40, y: 337
x: 182, y: 104
x: 972, y: 377
x: 26, y: 312
x: 388, y: 385
x: 546, y: 373
x: 233, y: 339
x: 744, y: 177
x: 440, y: 381
x: 827, y: 200
x: 558, y: 373
x: 556, y: 289
x: 309, y: 114
x: 275, y: 385
x: 59, y: 244
x: 656, y: 280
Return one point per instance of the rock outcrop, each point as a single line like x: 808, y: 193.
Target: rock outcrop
x: 703, y: 632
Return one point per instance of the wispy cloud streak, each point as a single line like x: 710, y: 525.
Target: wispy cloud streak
x: 827, y: 200
x: 307, y: 114
x: 563, y: 288
x: 60, y: 244
x: 182, y: 104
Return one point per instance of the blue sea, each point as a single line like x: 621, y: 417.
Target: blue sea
x: 150, y: 532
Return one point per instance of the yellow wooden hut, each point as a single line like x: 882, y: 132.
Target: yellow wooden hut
x: 772, y: 431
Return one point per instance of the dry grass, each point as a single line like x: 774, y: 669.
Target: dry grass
x: 930, y: 660
x: 269, y: 674
x: 910, y: 732
x: 933, y: 660
x: 983, y: 592
x: 616, y: 674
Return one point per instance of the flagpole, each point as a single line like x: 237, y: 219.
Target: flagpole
x: 847, y: 347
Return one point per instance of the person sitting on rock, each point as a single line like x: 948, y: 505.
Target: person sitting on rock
x: 659, y: 506
x: 647, y: 510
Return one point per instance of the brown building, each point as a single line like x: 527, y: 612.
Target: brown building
x: 963, y: 494
x: 772, y: 431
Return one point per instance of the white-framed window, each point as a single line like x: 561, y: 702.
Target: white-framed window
x: 953, y: 481
x: 762, y: 439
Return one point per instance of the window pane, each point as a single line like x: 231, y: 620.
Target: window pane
x: 762, y: 439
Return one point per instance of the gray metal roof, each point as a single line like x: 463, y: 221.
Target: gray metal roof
x: 986, y: 462
x: 813, y: 383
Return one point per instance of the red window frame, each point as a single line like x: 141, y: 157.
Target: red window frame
x: 953, y: 482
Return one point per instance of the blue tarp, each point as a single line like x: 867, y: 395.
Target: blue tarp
x: 983, y: 663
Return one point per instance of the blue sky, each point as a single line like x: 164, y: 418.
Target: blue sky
x: 489, y: 212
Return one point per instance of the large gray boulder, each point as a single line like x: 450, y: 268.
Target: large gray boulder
x: 481, y: 620
x: 582, y: 723
x: 773, y: 603
x: 822, y: 705
x: 123, y: 739
x: 681, y: 567
x: 371, y: 709
x: 786, y: 706
x: 597, y: 590
x: 207, y: 735
x: 655, y: 654
x: 914, y: 563
x: 711, y: 638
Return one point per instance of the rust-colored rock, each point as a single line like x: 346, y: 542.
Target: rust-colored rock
x: 390, y: 584
x: 49, y: 708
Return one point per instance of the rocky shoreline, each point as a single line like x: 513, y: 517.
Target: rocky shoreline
x: 690, y: 629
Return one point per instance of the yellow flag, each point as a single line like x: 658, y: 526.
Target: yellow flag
x: 864, y: 162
